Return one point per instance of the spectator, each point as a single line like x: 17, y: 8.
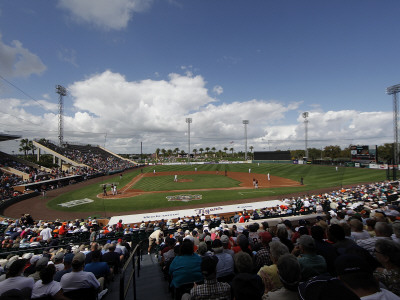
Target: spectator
x: 337, y: 236
x: 112, y: 258
x: 58, y: 261
x: 185, y: 268
x: 46, y: 232
x: 211, y: 289
x: 388, y: 254
x: 282, y: 235
x: 396, y: 231
x: 311, y: 264
x: 324, y: 248
x: 15, y: 280
x: 78, y: 279
x: 67, y: 266
x: 263, y: 256
x: 225, y: 266
x: 357, y: 230
x: 41, y: 263
x: 93, y: 247
x: 226, y: 243
x: 247, y: 286
x: 269, y: 274
x: 289, y: 274
x: 156, y: 237
x: 243, y: 263
x: 383, y: 231
x: 325, y: 288
x: 357, y: 275
x: 46, y: 286
x: 100, y: 269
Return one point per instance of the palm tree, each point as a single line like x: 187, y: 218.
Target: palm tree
x: 201, y: 151
x: 251, y: 150
x: 220, y: 153
x: 176, y: 151
x: 169, y: 152
x: 231, y: 149
x: 225, y: 149
x: 213, y: 149
x: 195, y: 152
x: 163, y: 151
x: 32, y: 147
x: 157, y: 153
x: 24, y: 146
x: 207, y: 149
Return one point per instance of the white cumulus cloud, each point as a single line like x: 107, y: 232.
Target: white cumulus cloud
x: 17, y: 61
x: 107, y: 109
x: 105, y: 14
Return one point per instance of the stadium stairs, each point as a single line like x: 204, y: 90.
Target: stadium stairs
x: 149, y: 285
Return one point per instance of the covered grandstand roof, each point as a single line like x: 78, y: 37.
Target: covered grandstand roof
x: 7, y: 137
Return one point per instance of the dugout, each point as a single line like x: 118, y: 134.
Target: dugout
x: 282, y: 156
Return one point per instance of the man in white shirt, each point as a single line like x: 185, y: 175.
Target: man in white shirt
x: 46, y: 233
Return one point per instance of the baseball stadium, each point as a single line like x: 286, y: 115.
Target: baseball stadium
x: 95, y: 199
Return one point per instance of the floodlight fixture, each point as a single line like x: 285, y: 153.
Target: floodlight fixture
x: 188, y: 121
x: 305, y: 116
x: 61, y: 91
x: 393, y: 90
x: 245, y: 123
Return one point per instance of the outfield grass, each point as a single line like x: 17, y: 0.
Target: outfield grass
x: 200, y: 181
x: 315, y: 177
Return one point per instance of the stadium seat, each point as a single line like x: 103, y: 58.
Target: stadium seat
x: 82, y: 294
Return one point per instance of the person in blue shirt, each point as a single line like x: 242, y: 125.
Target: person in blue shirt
x: 186, y: 267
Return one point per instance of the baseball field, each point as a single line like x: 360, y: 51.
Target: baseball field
x: 151, y: 188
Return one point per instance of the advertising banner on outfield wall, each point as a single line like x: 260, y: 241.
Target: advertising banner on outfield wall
x: 127, y: 219
x: 376, y: 166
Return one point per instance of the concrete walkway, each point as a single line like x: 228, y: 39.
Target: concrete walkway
x: 149, y: 285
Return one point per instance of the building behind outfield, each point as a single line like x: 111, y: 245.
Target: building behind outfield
x: 272, y: 156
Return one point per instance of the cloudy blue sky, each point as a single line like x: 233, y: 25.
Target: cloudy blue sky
x: 135, y: 69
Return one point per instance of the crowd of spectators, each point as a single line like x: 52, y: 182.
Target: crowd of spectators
x: 60, y: 258
x: 7, y: 181
x: 94, y: 157
x: 353, y: 252
x: 97, y: 160
x: 351, y: 249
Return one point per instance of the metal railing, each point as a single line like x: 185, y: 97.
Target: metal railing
x: 133, y: 259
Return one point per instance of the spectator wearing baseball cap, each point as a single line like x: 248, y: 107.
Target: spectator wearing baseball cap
x: 263, y: 255
x: 78, y: 279
x: 225, y: 266
x: 67, y: 266
x: 15, y: 280
x: 323, y: 287
x: 311, y: 264
x: 226, y: 243
x: 357, y: 275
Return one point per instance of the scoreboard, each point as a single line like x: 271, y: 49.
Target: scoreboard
x: 364, y: 153
x: 272, y: 155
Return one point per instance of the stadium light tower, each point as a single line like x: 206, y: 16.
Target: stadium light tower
x: 245, y: 122
x: 305, y: 116
x: 393, y: 90
x: 188, y: 121
x: 61, y: 91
